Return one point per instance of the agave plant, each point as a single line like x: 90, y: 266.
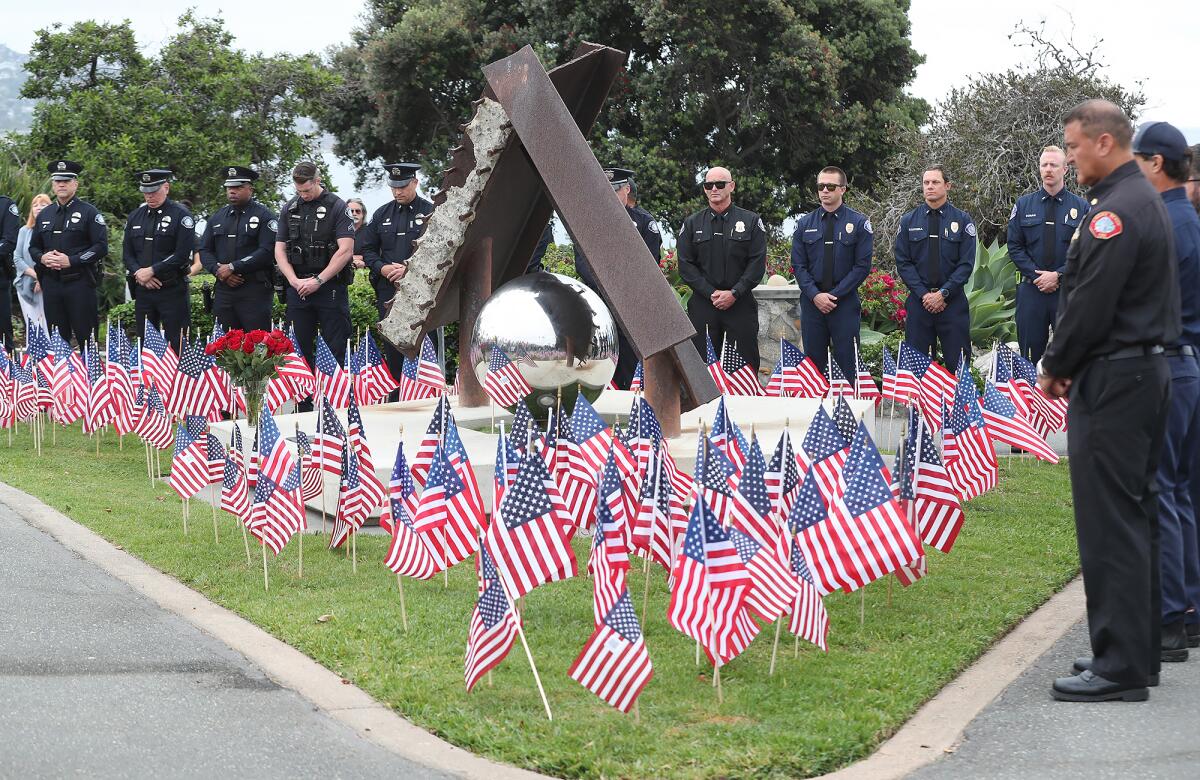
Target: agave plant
x: 992, y: 294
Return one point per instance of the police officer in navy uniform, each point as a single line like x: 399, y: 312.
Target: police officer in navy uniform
x: 1039, y: 231
x: 831, y: 256
x: 68, y: 244
x: 935, y: 254
x: 1163, y: 155
x: 622, y: 181
x: 10, y: 226
x: 386, y: 243
x: 1119, y: 309
x: 238, y: 247
x: 313, y: 248
x: 722, y: 253
x: 157, y: 252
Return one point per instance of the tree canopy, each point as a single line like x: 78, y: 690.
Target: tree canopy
x: 198, y: 105
x: 772, y: 89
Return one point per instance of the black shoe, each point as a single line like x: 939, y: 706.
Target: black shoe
x: 1084, y: 663
x: 1174, y: 643
x: 1193, y: 634
x: 1086, y: 686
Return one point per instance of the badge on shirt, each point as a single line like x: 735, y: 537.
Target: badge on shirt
x: 253, y: 222
x: 740, y: 227
x: 953, y: 227
x: 849, y: 228
x: 1074, y: 212
x: 320, y: 212
x: 1105, y: 225
x: 420, y: 220
x: 75, y: 215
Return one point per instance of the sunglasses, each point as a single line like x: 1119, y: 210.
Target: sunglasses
x: 355, y: 211
x: 826, y: 187
x: 715, y: 185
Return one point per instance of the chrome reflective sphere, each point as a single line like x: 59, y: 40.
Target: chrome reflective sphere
x: 558, y: 333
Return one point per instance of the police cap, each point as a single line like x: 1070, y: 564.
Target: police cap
x: 400, y: 174
x: 618, y: 176
x: 1160, y: 138
x: 151, y: 180
x: 64, y: 170
x: 237, y: 175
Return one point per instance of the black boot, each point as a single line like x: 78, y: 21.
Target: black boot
x: 1174, y: 642
x: 1086, y: 686
x: 1084, y: 663
x: 1193, y: 634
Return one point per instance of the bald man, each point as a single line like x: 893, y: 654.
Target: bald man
x: 722, y: 257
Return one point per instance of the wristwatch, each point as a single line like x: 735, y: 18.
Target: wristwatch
x: 319, y: 280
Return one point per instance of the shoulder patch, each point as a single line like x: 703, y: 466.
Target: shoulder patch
x: 273, y: 225
x: 99, y: 218
x: 187, y: 222
x: 1105, y: 224
x: 971, y: 229
x: 653, y: 226
x: 12, y: 209
x: 760, y: 225
x: 1012, y: 214
x: 867, y: 227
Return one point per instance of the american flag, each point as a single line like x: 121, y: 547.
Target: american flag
x: 1006, y: 383
x: 1006, y: 425
x: 864, y: 384
x: 590, y: 433
x: 973, y: 470
x: 714, y: 367
x: 276, y: 513
x: 410, y: 553
x: 576, y: 481
x: 710, y: 583
x: 824, y: 452
x: 25, y: 403
x: 329, y: 439
x: 923, y: 481
x: 468, y: 515
x: 293, y: 380
x: 609, y: 561
x: 653, y: 533
x: 422, y: 377
x: 445, y: 515
x: 889, y: 378
x: 526, y: 538
x: 523, y: 428
x: 614, y: 663
x: 796, y: 374
x: 750, y: 508
x: 101, y: 406
x: 214, y: 454
x: 276, y: 460
x: 189, y: 463
x: 1048, y: 414
x: 377, y: 381
x: 743, y: 378
x: 158, y: 360
x: 921, y: 379
x: 493, y: 625
x: 434, y: 433
x: 197, y: 388
x: 503, y: 380
x: 728, y: 438
x: 119, y: 378
x: 713, y: 478
x: 373, y: 491
x: 611, y: 493
x: 839, y: 385
x: 508, y: 463
x: 814, y: 533
x: 68, y: 385
x: 782, y: 479
x: 332, y: 380
x: 644, y: 432
x: 910, y: 573
x: 235, y: 498
x: 845, y: 419
x: 352, y: 505
x: 774, y: 589
x: 154, y: 426
x: 809, y: 621
x: 639, y: 376
x: 312, y: 483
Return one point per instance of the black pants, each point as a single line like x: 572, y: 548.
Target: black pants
x: 836, y: 330
x: 6, y: 312
x: 327, y: 308
x: 71, y: 307
x: 246, y: 308
x: 168, y: 309
x: 1116, y: 417
x: 951, y: 328
x: 738, y: 324
x: 1036, y: 312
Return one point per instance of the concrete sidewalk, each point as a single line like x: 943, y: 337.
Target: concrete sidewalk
x: 98, y: 680
x: 1025, y: 734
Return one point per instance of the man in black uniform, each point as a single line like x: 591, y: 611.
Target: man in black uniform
x: 313, y: 248
x: 386, y: 243
x: 622, y: 180
x: 10, y: 225
x: 157, y: 253
x: 238, y: 247
x: 69, y: 243
x: 722, y: 256
x: 1120, y: 305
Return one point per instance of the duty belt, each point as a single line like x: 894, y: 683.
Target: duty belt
x: 1141, y: 350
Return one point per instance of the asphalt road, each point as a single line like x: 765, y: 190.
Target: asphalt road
x: 97, y: 680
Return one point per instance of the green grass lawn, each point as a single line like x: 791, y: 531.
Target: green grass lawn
x: 818, y: 712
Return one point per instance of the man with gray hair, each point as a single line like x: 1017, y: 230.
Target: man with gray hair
x: 1119, y: 309
x: 1039, y: 231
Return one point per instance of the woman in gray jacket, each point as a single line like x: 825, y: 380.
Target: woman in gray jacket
x: 29, y: 291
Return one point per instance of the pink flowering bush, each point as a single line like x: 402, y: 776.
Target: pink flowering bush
x: 882, y: 297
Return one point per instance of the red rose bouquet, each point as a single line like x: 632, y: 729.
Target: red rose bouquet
x: 251, y: 359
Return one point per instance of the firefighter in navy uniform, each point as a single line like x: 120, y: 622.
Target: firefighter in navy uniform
x: 157, y: 252
x: 622, y: 183
x: 1039, y: 231
x: 238, y: 247
x: 386, y: 243
x: 1120, y: 308
x: 69, y: 243
x: 722, y: 257
x: 313, y: 248
x: 935, y: 254
x: 10, y: 225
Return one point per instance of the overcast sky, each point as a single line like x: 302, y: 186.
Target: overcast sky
x: 1145, y: 42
